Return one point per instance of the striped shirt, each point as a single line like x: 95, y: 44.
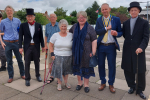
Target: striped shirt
x: 9, y: 27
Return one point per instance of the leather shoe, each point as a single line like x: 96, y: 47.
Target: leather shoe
x: 131, y: 90
x: 23, y: 77
x: 79, y: 87
x: 3, y: 69
x: 27, y: 83
x: 112, y: 89
x: 10, y: 80
x: 86, y: 89
x: 142, y: 95
x: 102, y: 86
x: 39, y: 79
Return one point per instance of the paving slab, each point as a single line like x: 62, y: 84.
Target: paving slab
x: 42, y: 66
x: 119, y: 84
x: 148, y: 74
x: 85, y: 97
x: 137, y: 97
x: 4, y: 77
x: 51, y: 93
x: 23, y: 96
x: 6, y: 92
x: 20, y: 85
x: 103, y: 95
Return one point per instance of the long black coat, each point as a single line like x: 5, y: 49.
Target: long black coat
x: 37, y: 38
x: 138, y: 39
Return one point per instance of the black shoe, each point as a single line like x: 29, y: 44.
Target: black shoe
x: 27, y: 83
x: 79, y: 87
x: 142, y: 95
x: 2, y: 69
x: 131, y: 90
x: 39, y: 79
x: 86, y: 89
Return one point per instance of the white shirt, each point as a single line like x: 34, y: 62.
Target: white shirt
x: 62, y: 45
x: 32, y: 31
x: 110, y: 38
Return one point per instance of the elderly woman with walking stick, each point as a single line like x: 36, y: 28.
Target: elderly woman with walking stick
x: 84, y: 46
x: 61, y: 52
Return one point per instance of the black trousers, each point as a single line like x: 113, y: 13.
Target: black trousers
x: 31, y: 54
x: 130, y: 78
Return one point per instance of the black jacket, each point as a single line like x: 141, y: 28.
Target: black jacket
x: 25, y: 37
x: 138, y: 39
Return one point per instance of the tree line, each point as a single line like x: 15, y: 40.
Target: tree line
x: 120, y: 12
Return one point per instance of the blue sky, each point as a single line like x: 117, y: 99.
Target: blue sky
x: 70, y: 5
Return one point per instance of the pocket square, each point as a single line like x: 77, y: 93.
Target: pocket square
x: 39, y: 29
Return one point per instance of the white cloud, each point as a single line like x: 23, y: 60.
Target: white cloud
x: 70, y: 5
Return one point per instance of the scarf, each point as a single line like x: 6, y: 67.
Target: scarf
x: 31, y: 23
x: 78, y: 40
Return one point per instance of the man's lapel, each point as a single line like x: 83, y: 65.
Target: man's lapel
x: 36, y: 29
x: 27, y: 28
x: 136, y: 26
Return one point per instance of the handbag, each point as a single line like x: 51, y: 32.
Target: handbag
x: 93, y: 61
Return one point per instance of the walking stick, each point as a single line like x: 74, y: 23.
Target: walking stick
x: 46, y: 77
x: 45, y: 64
x: 137, y: 76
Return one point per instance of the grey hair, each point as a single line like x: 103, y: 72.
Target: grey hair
x: 52, y: 14
x: 105, y: 4
x: 9, y: 7
x: 63, y: 21
x: 83, y: 13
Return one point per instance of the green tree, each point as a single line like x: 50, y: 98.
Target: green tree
x: 60, y: 12
x: 91, y: 12
x: 22, y: 15
x: 73, y: 13
x: 59, y: 18
x: 40, y: 18
x: 71, y: 20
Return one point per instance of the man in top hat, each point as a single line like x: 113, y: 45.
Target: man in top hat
x: 32, y: 34
x: 136, y: 34
x: 108, y: 28
x: 10, y: 42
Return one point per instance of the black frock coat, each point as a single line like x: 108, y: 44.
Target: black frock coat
x: 138, y: 39
x: 25, y: 37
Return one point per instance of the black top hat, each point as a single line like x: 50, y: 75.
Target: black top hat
x: 30, y: 11
x: 135, y: 4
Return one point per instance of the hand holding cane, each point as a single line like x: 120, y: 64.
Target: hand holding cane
x: 45, y: 64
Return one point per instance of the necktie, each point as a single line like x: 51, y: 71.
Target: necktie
x: 106, y: 34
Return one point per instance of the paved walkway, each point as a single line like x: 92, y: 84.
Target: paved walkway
x: 18, y: 91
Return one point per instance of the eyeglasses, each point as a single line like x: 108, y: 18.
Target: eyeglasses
x: 81, y: 17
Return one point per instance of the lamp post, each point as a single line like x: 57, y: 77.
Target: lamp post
x: 147, y: 8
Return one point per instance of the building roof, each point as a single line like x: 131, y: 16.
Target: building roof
x: 144, y: 12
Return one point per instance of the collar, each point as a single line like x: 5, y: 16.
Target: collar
x: 134, y: 18
x: 107, y: 17
x: 9, y: 19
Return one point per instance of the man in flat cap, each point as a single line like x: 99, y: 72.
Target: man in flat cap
x: 136, y: 34
x: 32, y: 34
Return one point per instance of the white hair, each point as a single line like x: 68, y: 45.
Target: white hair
x: 63, y: 21
x: 52, y: 14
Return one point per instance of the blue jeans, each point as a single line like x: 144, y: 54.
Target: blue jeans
x: 110, y: 53
x: 8, y: 51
